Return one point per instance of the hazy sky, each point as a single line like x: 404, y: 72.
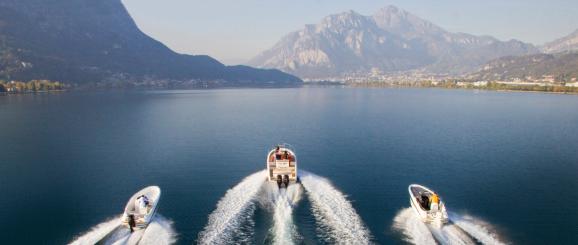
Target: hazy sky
x: 233, y: 31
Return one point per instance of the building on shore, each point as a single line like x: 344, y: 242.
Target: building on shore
x: 521, y: 83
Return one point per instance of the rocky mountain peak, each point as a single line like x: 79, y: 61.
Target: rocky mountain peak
x: 391, y: 12
x: 391, y: 40
x: 403, y: 23
x: 568, y: 43
x: 349, y: 19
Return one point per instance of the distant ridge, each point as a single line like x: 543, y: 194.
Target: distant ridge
x: 559, y: 67
x: 391, y: 40
x: 96, y: 41
x: 568, y: 43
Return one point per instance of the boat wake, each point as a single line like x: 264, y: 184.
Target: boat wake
x: 98, y: 232
x: 413, y: 230
x: 460, y: 230
x: 159, y: 231
x: 233, y: 210
x: 451, y: 234
x: 281, y: 203
x: 480, y: 230
x: 337, y: 219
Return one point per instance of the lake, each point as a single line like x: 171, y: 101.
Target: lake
x: 507, y: 162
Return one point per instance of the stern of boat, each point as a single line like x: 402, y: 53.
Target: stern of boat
x: 282, y: 165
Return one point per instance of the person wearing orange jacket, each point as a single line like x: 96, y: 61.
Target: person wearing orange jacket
x: 434, y: 202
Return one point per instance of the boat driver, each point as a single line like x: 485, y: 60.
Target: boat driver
x: 142, y: 204
x: 278, y: 153
x: 434, y: 202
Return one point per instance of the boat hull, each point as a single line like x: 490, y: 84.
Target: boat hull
x: 437, y: 217
x: 282, y: 166
x: 142, y: 219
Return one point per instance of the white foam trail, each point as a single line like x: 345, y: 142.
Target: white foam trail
x: 461, y: 231
x: 98, y: 232
x: 478, y: 229
x: 333, y: 212
x: 413, y: 229
x: 450, y: 234
x: 232, y: 210
x: 281, y: 203
x: 123, y: 236
x: 159, y: 231
x: 417, y: 232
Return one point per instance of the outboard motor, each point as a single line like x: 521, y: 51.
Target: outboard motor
x: 279, y: 181
x: 131, y: 223
x: 286, y: 180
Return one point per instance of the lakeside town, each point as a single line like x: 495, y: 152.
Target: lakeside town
x: 32, y: 86
x: 546, y: 83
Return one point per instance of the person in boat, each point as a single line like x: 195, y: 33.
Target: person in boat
x: 424, y: 202
x: 285, y: 155
x: 142, y: 204
x: 278, y: 153
x: 131, y: 223
x: 434, y: 202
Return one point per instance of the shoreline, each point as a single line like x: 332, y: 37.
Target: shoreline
x: 365, y: 85
x: 530, y: 91
x: 35, y: 92
x: 304, y: 85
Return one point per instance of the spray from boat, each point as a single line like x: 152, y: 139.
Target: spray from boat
x: 330, y: 207
x: 338, y: 220
x: 139, y: 224
x: 281, y: 202
x: 428, y: 222
x: 335, y: 214
x: 159, y: 231
x: 412, y: 228
x: 234, y: 209
x: 98, y: 232
x: 340, y: 223
x: 477, y: 228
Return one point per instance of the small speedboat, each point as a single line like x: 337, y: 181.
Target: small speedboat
x: 427, y: 205
x: 141, y: 208
x: 282, y: 165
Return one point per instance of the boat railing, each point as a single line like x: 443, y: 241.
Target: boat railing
x: 276, y: 163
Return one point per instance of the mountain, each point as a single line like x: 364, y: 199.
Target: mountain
x: 565, y: 44
x: 84, y: 41
x: 391, y: 40
x: 562, y: 67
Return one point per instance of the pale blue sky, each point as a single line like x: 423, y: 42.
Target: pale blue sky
x: 233, y: 31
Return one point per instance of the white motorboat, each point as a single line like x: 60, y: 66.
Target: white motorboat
x: 427, y: 205
x: 141, y: 208
x: 282, y: 165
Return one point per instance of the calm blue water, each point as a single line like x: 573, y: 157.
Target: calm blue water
x: 70, y: 161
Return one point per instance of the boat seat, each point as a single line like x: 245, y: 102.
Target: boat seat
x: 424, y: 202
